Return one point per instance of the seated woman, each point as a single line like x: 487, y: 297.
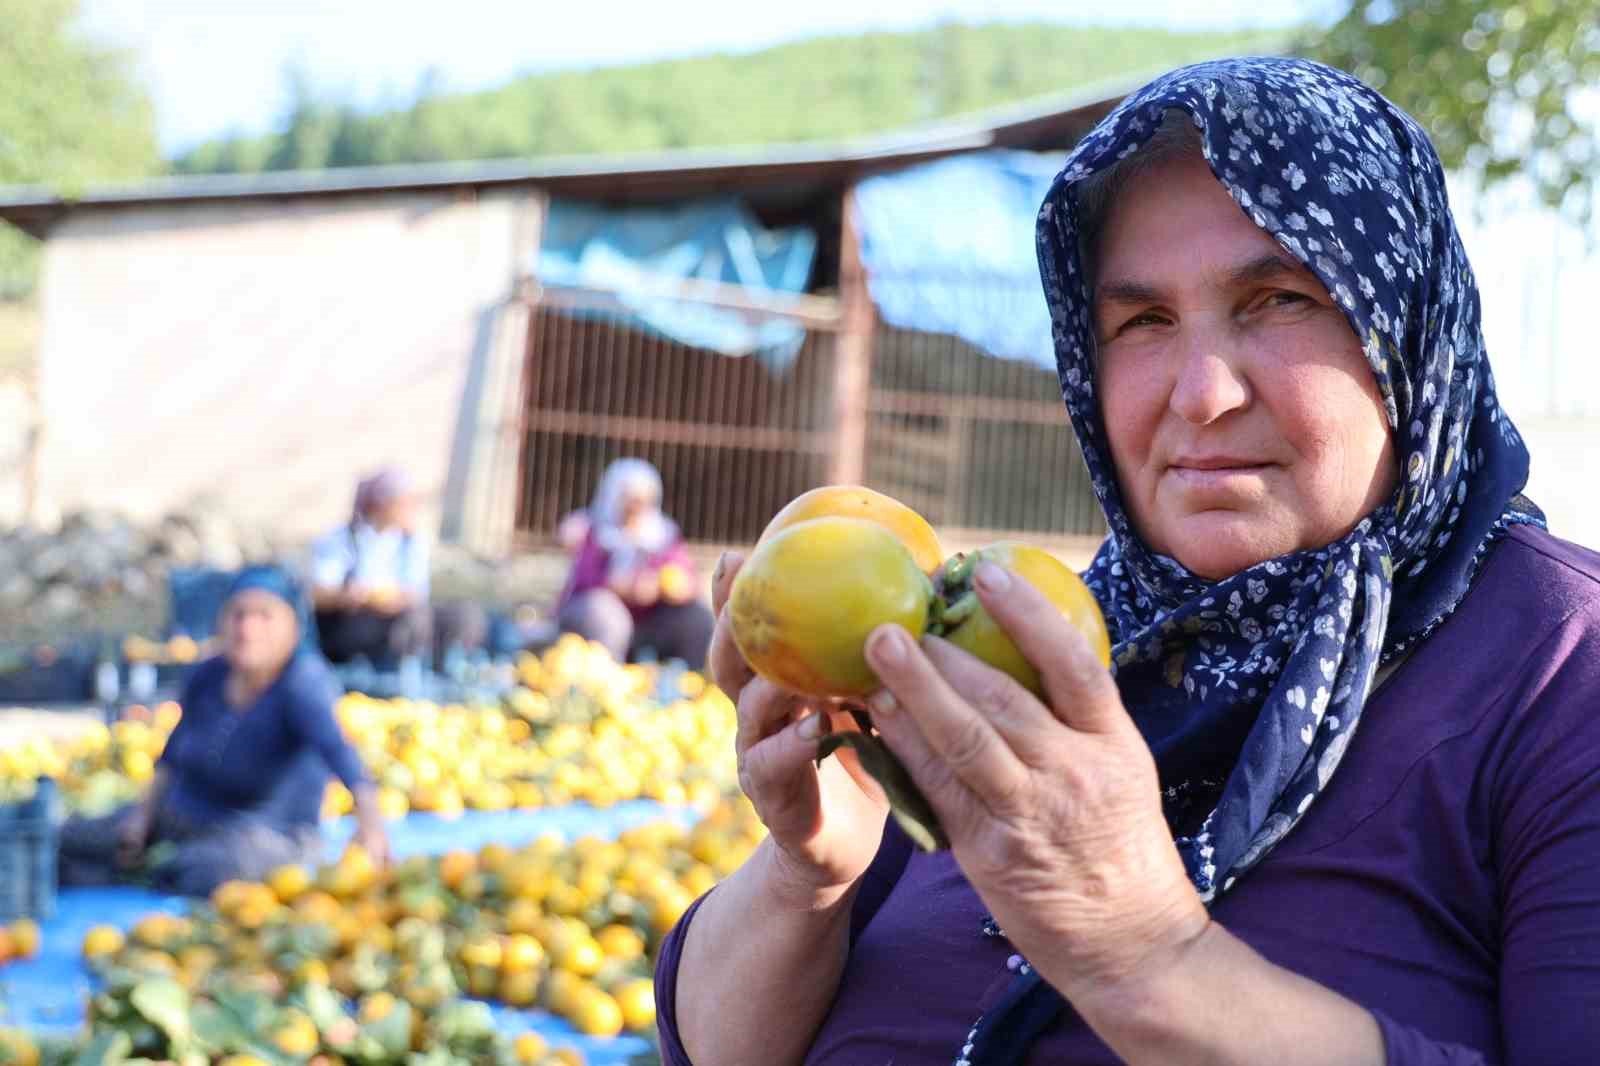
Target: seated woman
x: 370, y: 583
x: 238, y: 789
x: 632, y: 584
x: 1338, y: 799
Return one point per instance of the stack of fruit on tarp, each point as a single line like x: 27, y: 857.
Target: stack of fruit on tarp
x: 578, y: 728
x: 351, y: 964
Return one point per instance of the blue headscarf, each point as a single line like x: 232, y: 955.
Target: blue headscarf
x: 1248, y: 689
x: 278, y: 581
x: 267, y: 578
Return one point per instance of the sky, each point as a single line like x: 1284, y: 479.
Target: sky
x: 215, y: 66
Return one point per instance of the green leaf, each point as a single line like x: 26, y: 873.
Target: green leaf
x: 107, y: 1048
x: 322, y: 1005
x: 165, y: 1004
x: 464, y: 1020
x: 906, y: 802
x: 216, y: 1030
x: 435, y: 1057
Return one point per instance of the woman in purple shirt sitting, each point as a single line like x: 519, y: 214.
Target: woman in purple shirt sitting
x: 238, y: 788
x: 1338, y: 801
x: 632, y: 584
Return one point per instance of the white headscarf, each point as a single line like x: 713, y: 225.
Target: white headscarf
x: 653, y: 533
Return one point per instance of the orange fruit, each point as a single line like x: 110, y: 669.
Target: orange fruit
x: 621, y: 942
x: 858, y: 501
x: 519, y: 989
x: 485, y: 951
x: 288, y: 882
x: 637, y: 998
x: 296, y: 1035
x: 804, y: 603
x: 376, y: 1007
x: 24, y: 938
x: 492, y: 858
x: 313, y: 972
x: 101, y: 941
x: 969, y: 626
x: 523, y: 916
x: 530, y: 1048
x: 454, y: 866
x: 521, y: 952
x: 580, y: 955
x: 18, y: 1048
x: 596, y: 1014
x: 562, y: 990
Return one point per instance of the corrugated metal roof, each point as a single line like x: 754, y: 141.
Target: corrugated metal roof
x: 1050, y: 121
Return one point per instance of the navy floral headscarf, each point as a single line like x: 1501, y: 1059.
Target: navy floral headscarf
x: 1248, y: 689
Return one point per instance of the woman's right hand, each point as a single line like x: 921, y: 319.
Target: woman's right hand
x: 825, y: 822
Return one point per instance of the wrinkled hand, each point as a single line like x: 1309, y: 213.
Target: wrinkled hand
x: 825, y: 822
x: 374, y: 840
x: 1053, y: 811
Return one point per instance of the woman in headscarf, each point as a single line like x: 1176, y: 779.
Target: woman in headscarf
x: 371, y: 583
x: 238, y: 789
x: 1338, y: 800
x: 633, y: 586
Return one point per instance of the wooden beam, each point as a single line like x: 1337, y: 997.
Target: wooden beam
x: 671, y: 431
x: 819, y: 313
x: 965, y: 405
x: 852, y: 375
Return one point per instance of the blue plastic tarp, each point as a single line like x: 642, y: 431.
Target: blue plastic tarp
x: 948, y: 248
x: 644, y: 255
x: 47, y: 993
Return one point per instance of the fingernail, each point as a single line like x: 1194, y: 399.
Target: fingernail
x: 882, y: 703
x: 810, y: 727
x: 722, y: 564
x: 888, y: 646
x: 992, y: 578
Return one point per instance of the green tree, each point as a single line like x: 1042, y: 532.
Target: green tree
x: 1501, y: 85
x: 71, y: 114
x: 310, y: 128
x: 819, y: 89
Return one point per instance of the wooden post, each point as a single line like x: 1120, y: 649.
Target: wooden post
x: 31, y: 448
x: 852, y: 374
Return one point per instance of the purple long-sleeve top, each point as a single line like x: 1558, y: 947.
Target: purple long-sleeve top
x: 591, y: 566
x: 1448, y: 879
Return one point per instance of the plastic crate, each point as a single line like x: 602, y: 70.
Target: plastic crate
x: 38, y: 675
x: 29, y: 832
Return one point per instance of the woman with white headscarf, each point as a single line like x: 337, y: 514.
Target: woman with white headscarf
x: 632, y: 585
x: 370, y: 583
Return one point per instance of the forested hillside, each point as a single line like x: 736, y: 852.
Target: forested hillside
x: 818, y: 89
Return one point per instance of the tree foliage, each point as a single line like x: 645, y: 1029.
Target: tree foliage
x: 71, y: 114
x: 824, y: 88
x: 1504, y: 87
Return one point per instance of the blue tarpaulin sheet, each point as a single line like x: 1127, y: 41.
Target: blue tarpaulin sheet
x: 948, y: 248
x: 47, y: 993
x: 645, y: 255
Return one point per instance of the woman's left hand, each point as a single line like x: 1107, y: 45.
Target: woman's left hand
x: 370, y: 832
x: 1052, y: 808
x: 374, y: 839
